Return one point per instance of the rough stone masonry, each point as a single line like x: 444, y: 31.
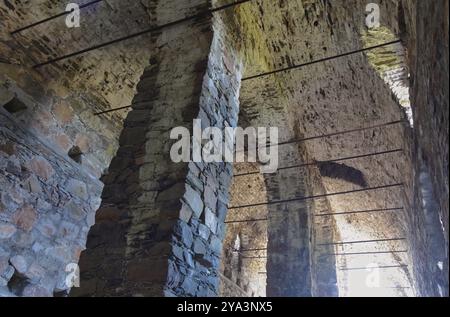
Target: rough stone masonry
x: 171, y: 216
x: 158, y: 228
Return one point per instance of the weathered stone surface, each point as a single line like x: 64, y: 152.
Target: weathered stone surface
x: 46, y: 227
x: 63, y: 141
x: 7, y: 231
x: 165, y: 218
x: 35, y: 272
x: 196, y: 72
x: 63, y: 112
x: 77, y: 188
x: 41, y: 167
x: 194, y: 200
x: 26, y: 217
x: 425, y: 32
x: 199, y: 247
x: 8, y: 148
x: 185, y: 213
x: 216, y: 245
x: 210, y: 197
x: 3, y: 264
x: 82, y: 141
x: 36, y: 291
x: 34, y: 186
x: 211, y: 220
x: 151, y: 271
x: 75, y: 211
x: 19, y: 263
x: 68, y: 230
x: 185, y: 234
x: 203, y: 231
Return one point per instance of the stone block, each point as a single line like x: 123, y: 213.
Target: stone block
x: 63, y: 141
x: 200, y: 246
x: 177, y: 251
x: 7, y: 273
x: 211, y: 220
x: 33, y: 185
x: 194, y: 200
x: 75, y: 211
x: 46, y: 227
x: 3, y: 283
x: 43, y: 206
x: 41, y: 167
x: 82, y: 142
x: 90, y: 219
x: 7, y: 231
x: 35, y: 272
x: 210, y: 197
x: 77, y: 189
x: 222, y: 210
x: 204, y: 231
x: 189, y: 286
x: 184, y: 231
x: 216, y: 245
x: 188, y: 259
x: 19, y: 263
x: 26, y: 217
x: 68, y: 230
x: 63, y: 112
x: 60, y: 253
x: 36, y: 291
x: 195, y: 181
x: 185, y: 213
x: 4, y: 263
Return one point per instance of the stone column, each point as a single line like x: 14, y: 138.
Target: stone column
x: 323, y: 231
x: 288, y: 251
x: 159, y: 230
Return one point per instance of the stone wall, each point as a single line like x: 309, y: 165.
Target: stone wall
x: 52, y: 153
x: 425, y: 31
x: 320, y: 99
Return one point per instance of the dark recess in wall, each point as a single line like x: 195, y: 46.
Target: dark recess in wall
x: 15, y: 106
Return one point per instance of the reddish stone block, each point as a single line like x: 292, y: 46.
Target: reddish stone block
x: 41, y: 167
x: 63, y: 113
x: 25, y: 218
x: 63, y: 141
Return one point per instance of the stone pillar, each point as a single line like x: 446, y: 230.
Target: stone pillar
x: 323, y: 231
x: 159, y: 230
x: 288, y: 250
